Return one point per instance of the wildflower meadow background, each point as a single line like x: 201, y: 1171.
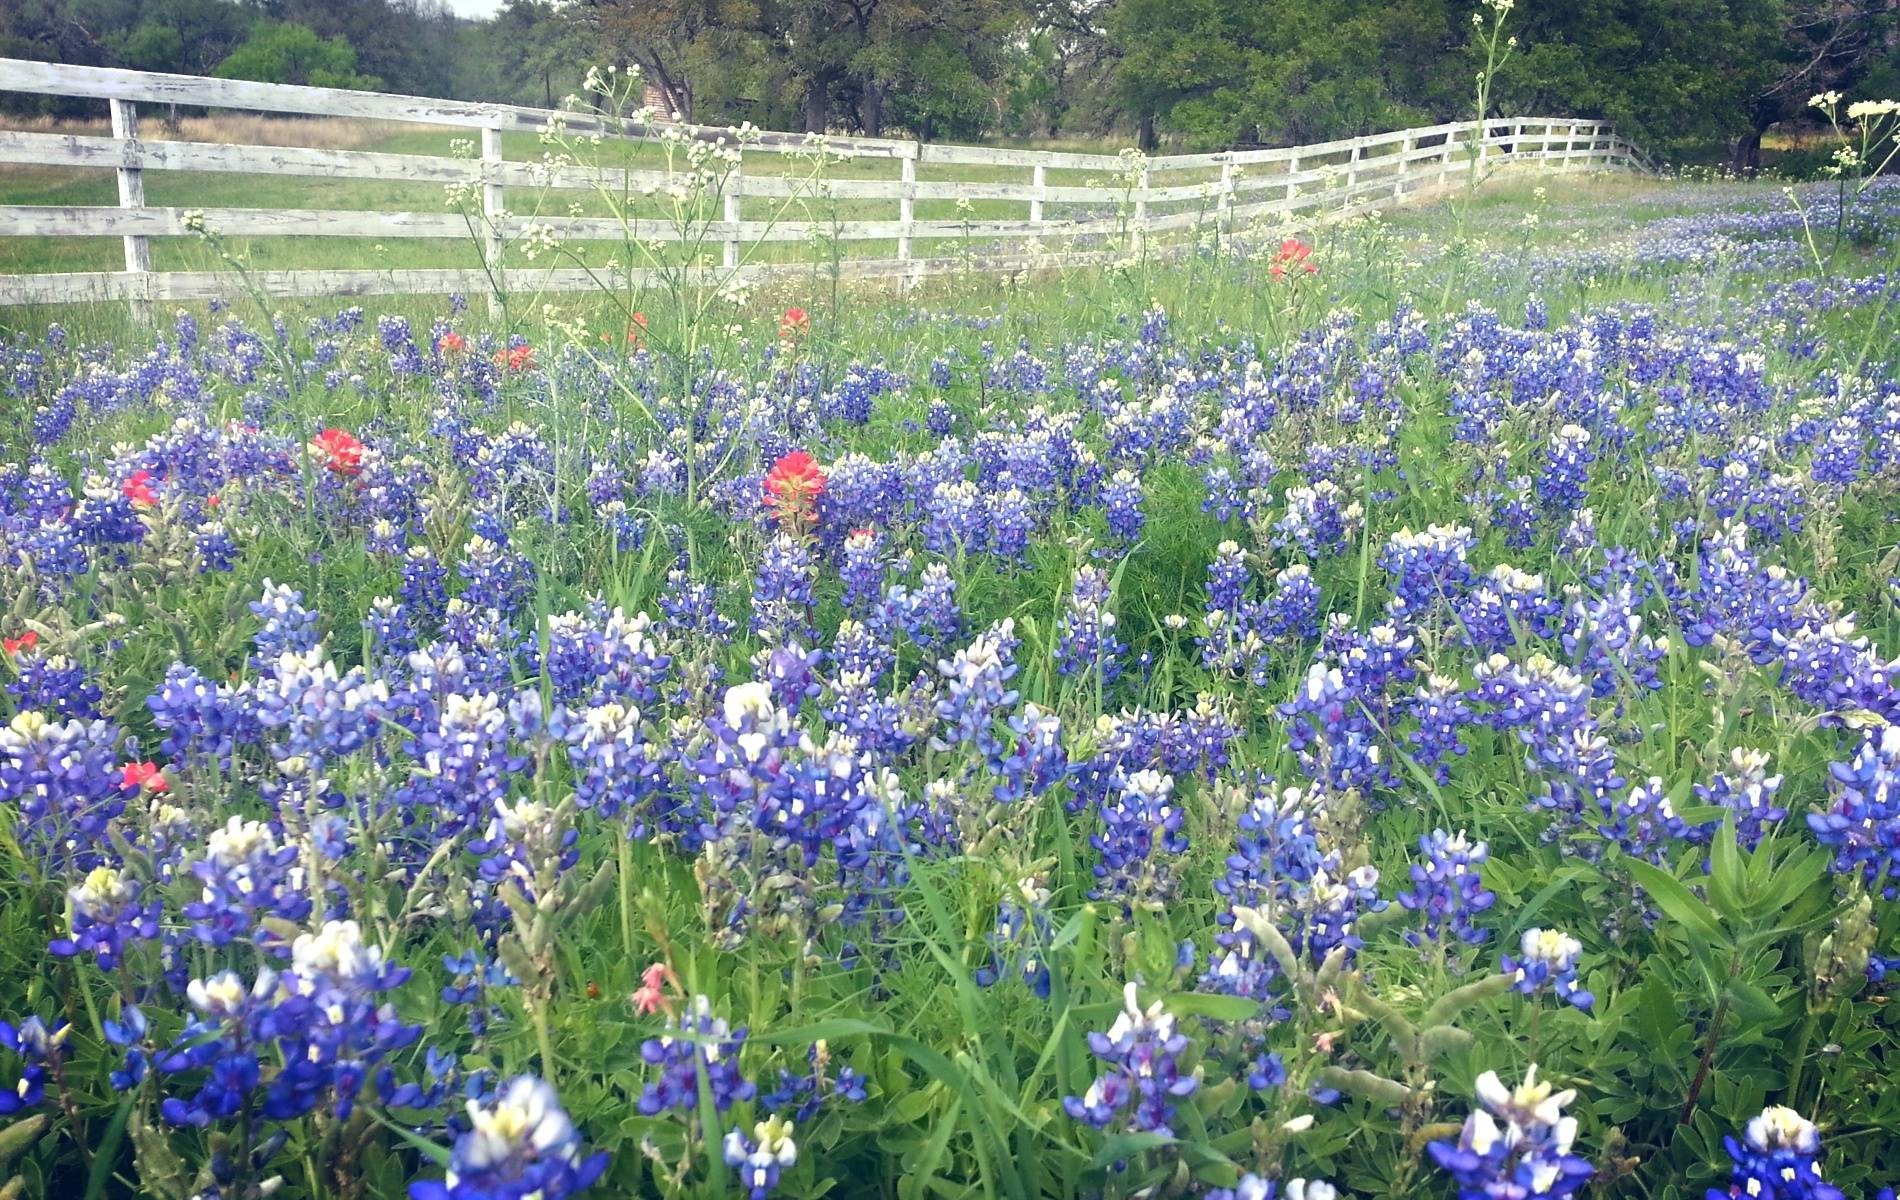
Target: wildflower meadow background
x: 1403, y: 709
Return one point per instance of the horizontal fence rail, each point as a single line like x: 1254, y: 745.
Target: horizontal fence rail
x: 1066, y: 220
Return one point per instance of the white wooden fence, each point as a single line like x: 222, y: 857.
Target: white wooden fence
x: 1058, y: 221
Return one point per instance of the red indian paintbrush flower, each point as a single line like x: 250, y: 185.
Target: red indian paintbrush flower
x: 340, y: 450
x: 451, y: 343
x: 143, y: 776
x: 26, y: 641
x: 516, y: 358
x: 794, y: 324
x: 1294, y: 255
x: 139, y: 490
x: 792, y: 488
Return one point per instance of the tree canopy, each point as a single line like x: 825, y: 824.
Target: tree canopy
x: 1671, y: 73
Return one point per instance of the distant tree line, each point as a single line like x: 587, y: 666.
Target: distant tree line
x: 1671, y: 73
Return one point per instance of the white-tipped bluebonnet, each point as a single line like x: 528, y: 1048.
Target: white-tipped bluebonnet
x: 1518, y: 1146
x: 519, y: 1144
x: 1142, y: 1077
x: 106, y: 911
x: 1141, y: 841
x: 1447, y: 887
x: 1122, y: 498
x: 1547, y: 962
x: 1086, y: 644
x: 1777, y: 1158
x: 696, y: 1047
x: 63, y: 780
x: 1862, y: 825
x: 761, y: 1158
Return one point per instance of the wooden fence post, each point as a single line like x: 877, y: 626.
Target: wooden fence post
x: 907, y: 210
x: 1405, y: 165
x: 1224, y: 215
x: 493, y: 213
x: 1292, y: 180
x: 138, y: 248
x: 1038, y: 179
x: 1352, y: 171
x: 735, y: 189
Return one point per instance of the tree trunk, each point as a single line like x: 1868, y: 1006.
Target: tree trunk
x: 871, y: 109
x: 817, y: 104
x: 1145, y: 133
x: 1745, y: 159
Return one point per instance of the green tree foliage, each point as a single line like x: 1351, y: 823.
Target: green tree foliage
x: 1672, y: 73
x: 279, y: 52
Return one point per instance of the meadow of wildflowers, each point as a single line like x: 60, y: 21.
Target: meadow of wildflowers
x: 1375, y: 714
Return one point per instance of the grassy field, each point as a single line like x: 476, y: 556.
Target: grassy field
x: 1199, y: 728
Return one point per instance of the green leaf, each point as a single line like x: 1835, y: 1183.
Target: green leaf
x: 1752, y: 1003
x: 1216, y: 1008
x: 1726, y: 883
x: 1678, y: 903
x: 106, y: 1153
x: 1126, y: 1145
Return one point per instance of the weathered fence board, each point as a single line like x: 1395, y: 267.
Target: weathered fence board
x: 1129, y: 198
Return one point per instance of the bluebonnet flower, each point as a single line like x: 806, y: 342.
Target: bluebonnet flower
x: 1139, y: 819
x: 1326, y: 915
x: 761, y: 1158
x: 287, y: 627
x: 1748, y: 790
x: 1039, y: 760
x: 1778, y: 1158
x: 1318, y: 520
x: 1012, y: 521
x: 782, y: 593
x: 956, y: 518
x: 498, y: 577
x: 976, y: 693
x: 928, y: 615
x: 54, y: 685
x: 692, y: 605
x: 1329, y: 729
x: 246, y: 874
x: 1643, y: 822
x: 424, y: 585
x: 473, y: 980
x: 1429, y: 570
x: 1447, y: 888
x: 1016, y: 944
x: 39, y: 1049
x: 1143, y: 1079
x: 1086, y: 643
x: 1292, y: 610
x: 1517, y: 1146
x: 65, y: 785
x: 863, y: 570
x: 1547, y: 961
x: 1121, y: 504
x: 696, y: 1044
x: 1443, y: 714
x: 1862, y: 826
x: 106, y: 911
x: 1562, y: 486
x: 519, y: 1145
